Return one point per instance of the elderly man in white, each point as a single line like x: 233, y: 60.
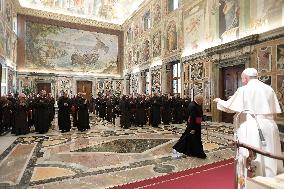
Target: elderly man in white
x: 259, y: 99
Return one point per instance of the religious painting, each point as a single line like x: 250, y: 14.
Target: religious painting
x: 196, y: 71
x: 108, y: 84
x: 229, y: 12
x: 100, y: 85
x: 186, y: 73
x: 57, y: 48
x: 265, y: 79
x: 129, y: 61
x: 157, y: 44
x: 118, y: 85
x: 146, y: 50
x: 134, y: 84
x: 14, y: 54
x: 136, y: 55
x: 111, y: 11
x: 136, y: 31
x: 2, y: 39
x: 194, y: 29
x: 196, y: 89
x: 280, y: 93
x: 207, y: 69
x: 129, y: 35
x: 8, y: 14
x: 157, y: 13
x: 280, y: 57
x: 64, y: 85
x: 266, y: 13
x: 172, y: 36
x: 156, y: 81
x: 264, y: 59
x: 8, y: 42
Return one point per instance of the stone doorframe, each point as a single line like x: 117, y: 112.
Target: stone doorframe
x: 230, y: 54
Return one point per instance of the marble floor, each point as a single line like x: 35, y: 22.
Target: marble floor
x: 103, y: 157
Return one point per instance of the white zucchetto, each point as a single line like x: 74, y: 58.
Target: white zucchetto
x: 252, y: 72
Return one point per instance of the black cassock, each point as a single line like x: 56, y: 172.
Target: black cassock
x: 191, y: 144
x: 21, y: 122
x: 64, y: 107
x: 155, y: 111
x: 42, y: 121
x: 83, y: 115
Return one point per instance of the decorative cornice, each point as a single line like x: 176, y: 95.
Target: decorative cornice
x: 193, y: 57
x: 243, y: 59
x: 271, y: 35
x: 237, y: 44
x: 65, y: 18
x: 172, y: 58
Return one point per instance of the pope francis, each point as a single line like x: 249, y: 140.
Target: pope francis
x: 257, y: 104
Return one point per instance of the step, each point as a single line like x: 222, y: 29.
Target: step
x: 259, y: 182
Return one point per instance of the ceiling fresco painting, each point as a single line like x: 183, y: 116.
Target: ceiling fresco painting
x: 111, y: 11
x: 64, y: 49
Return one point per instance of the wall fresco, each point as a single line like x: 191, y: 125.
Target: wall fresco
x: 280, y: 57
x: 264, y: 59
x: 157, y: 44
x: 229, y: 12
x: 157, y: 12
x: 194, y: 28
x: 172, y: 36
x: 280, y: 93
x: 2, y: 39
x: 265, y: 13
x: 64, y: 49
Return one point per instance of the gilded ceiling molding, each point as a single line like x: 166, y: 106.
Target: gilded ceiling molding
x: 65, y: 18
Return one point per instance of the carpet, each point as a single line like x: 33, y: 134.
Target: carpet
x: 216, y: 175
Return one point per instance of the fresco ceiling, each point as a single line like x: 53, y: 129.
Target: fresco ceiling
x: 110, y: 11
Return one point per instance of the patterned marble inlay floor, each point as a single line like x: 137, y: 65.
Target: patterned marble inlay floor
x: 104, y: 156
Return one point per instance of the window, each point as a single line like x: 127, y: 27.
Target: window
x: 176, y: 78
x: 147, y: 21
x: 173, y: 5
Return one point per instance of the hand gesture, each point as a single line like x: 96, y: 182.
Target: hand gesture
x: 216, y: 100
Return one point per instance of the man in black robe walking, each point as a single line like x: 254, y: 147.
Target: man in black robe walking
x: 83, y: 112
x: 190, y: 142
x: 64, y: 107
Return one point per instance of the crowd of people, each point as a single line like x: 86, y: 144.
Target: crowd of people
x: 141, y: 109
x: 22, y: 113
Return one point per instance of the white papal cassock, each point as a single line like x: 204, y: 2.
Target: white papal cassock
x: 259, y: 99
